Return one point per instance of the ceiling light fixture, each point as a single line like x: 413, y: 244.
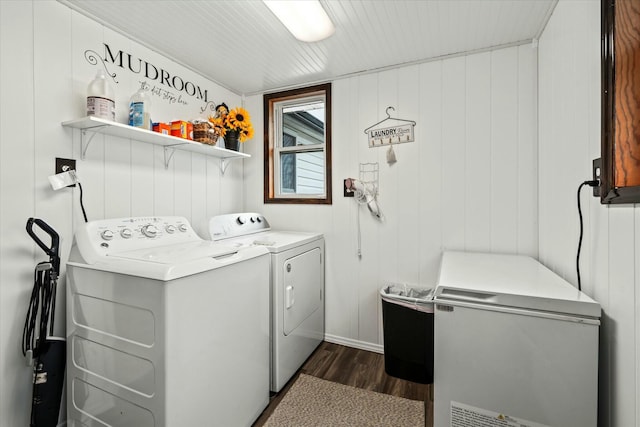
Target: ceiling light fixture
x: 305, y: 19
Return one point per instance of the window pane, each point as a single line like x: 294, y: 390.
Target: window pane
x: 302, y: 173
x: 305, y: 123
x: 288, y: 168
x: 288, y: 140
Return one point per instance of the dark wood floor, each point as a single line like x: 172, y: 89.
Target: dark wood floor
x: 357, y: 368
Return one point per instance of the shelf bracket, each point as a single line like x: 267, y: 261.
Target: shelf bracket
x: 224, y: 163
x: 168, y: 154
x: 84, y: 142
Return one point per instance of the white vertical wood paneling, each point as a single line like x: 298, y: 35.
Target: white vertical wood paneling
x: 527, y: 151
x: 182, y: 183
x: 17, y: 173
x: 438, y: 194
x: 545, y: 133
x: 478, y: 186
x: 164, y: 189
x: 595, y: 279
x: 230, y: 193
x: 429, y: 187
x: 91, y: 170
x: 198, y: 202
x: 142, y: 181
x: 337, y: 269
x: 117, y: 177
x: 44, y: 81
x: 408, y: 172
x: 213, y: 188
x: 389, y: 196
x: 621, y: 329
x: 569, y: 135
x: 504, y: 150
x: 453, y: 152
x: 117, y: 158
x: 369, y: 264
x: 596, y: 243
x: 560, y: 212
x: 52, y: 28
x: 351, y: 146
x: 596, y: 282
x: 340, y: 242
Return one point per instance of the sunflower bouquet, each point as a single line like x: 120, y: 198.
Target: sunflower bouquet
x: 236, y: 120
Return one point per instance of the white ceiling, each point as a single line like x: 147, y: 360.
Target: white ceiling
x: 242, y: 46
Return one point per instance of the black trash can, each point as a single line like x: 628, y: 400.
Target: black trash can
x: 407, y: 317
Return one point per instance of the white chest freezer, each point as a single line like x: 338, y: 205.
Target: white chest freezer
x: 515, y: 345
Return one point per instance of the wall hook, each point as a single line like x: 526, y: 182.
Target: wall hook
x: 387, y: 111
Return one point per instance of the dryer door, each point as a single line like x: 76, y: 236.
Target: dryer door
x: 302, y: 288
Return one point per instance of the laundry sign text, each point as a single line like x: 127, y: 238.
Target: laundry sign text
x: 390, y: 135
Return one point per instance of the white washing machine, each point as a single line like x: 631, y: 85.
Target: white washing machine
x: 164, y: 328
x: 297, y: 286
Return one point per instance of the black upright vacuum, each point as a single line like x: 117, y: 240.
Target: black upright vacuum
x: 43, y: 351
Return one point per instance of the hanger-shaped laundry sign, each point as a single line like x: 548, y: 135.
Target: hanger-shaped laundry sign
x: 401, y: 131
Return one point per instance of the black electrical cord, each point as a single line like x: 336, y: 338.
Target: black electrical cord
x: 42, y: 306
x: 591, y: 184
x: 84, y: 213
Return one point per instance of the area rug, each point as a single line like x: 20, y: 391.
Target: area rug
x: 313, y: 402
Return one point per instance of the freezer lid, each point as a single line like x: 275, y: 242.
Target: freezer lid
x: 509, y: 281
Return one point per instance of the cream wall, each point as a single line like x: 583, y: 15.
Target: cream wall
x: 43, y: 80
x: 569, y: 138
x: 469, y: 181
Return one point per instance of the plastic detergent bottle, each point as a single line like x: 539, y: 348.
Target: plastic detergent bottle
x: 101, y: 98
x: 139, y: 106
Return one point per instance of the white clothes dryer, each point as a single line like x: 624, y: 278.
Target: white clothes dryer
x: 164, y: 328
x: 297, y: 286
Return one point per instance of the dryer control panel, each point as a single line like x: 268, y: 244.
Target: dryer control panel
x: 103, y: 237
x: 237, y: 224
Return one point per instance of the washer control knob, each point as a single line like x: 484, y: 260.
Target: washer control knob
x: 240, y: 220
x: 253, y: 220
x: 106, y: 235
x: 150, y: 230
x: 258, y: 219
x: 183, y: 228
x: 126, y: 233
x: 170, y: 229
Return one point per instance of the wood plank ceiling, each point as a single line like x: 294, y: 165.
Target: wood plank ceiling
x: 242, y: 46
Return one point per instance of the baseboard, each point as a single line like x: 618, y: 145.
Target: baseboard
x: 361, y: 345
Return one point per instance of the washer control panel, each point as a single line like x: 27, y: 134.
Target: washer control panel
x: 108, y: 236
x: 238, y: 224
